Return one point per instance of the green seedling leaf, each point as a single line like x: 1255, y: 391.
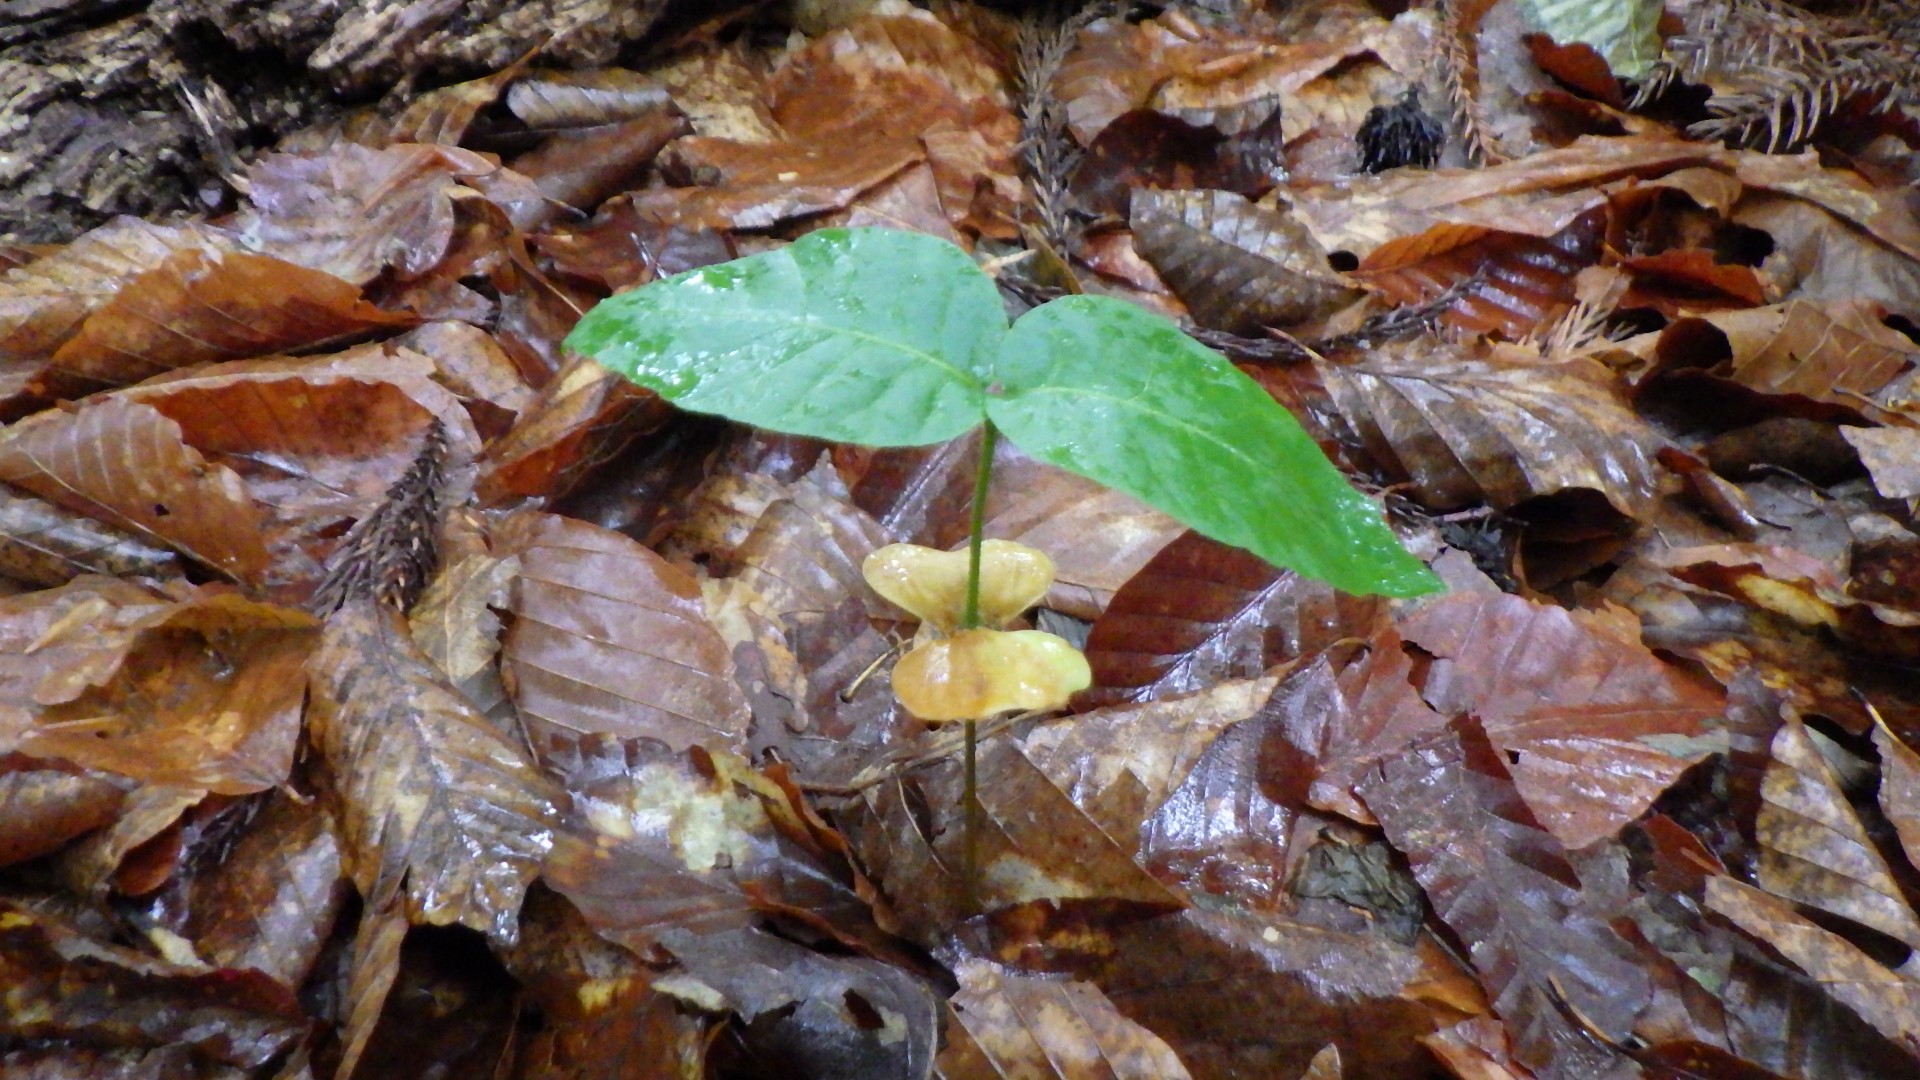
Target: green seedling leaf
x: 871, y: 336
x: 1107, y: 390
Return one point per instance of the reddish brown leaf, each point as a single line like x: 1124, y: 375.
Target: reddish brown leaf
x: 200, y: 306
x: 1813, y: 849
x: 1525, y: 281
x: 1009, y: 1025
x: 130, y: 466
x: 582, y: 167
x: 1591, y: 713
x: 1200, y: 612
x: 609, y: 640
x: 581, y: 418
x: 435, y: 805
x: 241, y: 1019
x: 1505, y: 888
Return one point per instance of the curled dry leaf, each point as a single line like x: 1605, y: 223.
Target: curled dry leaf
x: 611, y: 641
x: 1813, y: 848
x: 1011, y: 1025
x: 932, y: 584
x: 1238, y: 266
x: 1499, y: 427
x: 435, y: 804
x: 977, y: 674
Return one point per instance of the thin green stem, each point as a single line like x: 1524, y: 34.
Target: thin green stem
x: 989, y: 435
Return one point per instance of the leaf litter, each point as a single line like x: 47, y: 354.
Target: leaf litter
x: 629, y: 792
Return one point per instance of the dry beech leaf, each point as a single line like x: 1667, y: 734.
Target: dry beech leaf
x: 435, y: 804
x: 609, y: 640
x: 932, y: 584
x: 44, y: 303
x: 43, y: 544
x: 1827, y: 361
x: 200, y: 306
x: 1892, y: 458
x: 1900, y: 788
x: 455, y: 623
x: 270, y: 905
x: 1601, y: 725
x: 354, y: 212
x: 1813, y: 849
x: 1011, y: 1025
x: 1505, y: 888
x: 1499, y: 427
x: 977, y: 674
x: 1238, y: 266
x: 1880, y: 997
x: 1525, y: 281
x: 128, y: 465
x: 1201, y: 611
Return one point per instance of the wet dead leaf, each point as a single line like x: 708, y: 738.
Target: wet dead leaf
x: 42, y: 544
x: 435, y: 804
x: 1012, y: 1025
x: 270, y: 905
x: 1237, y: 265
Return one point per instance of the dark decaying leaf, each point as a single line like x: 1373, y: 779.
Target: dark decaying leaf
x: 609, y: 640
x: 1235, y: 995
x: 1813, y: 848
x: 1601, y: 726
x: 581, y: 418
x: 1008, y: 1025
x: 271, y: 903
x: 1238, y: 266
x: 1501, y: 427
x: 133, y: 1002
x: 435, y: 804
x: 43, y: 544
x: 582, y: 167
x: 1521, y: 282
x: 1504, y: 886
x: 202, y: 306
x: 371, y: 972
x: 128, y: 465
x: 1881, y: 997
x: 1200, y: 612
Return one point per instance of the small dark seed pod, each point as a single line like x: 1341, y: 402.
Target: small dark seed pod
x: 1400, y: 134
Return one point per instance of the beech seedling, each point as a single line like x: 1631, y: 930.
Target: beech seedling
x: 889, y: 338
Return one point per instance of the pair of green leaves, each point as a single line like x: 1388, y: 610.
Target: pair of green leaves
x: 891, y: 338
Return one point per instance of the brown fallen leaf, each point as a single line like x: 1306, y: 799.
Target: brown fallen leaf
x: 1011, y: 1025
x: 1200, y: 612
x: 1237, y: 265
x: 1514, y: 283
x: 581, y: 418
x: 1881, y: 997
x: 1503, y: 426
x: 48, y: 803
x: 1813, y: 848
x: 436, y: 806
x: 45, y: 545
x: 270, y: 905
x: 610, y: 641
x: 1900, y: 788
x: 1505, y: 887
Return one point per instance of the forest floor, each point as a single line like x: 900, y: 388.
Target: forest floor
x: 385, y: 689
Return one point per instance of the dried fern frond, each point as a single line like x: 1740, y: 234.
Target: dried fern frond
x: 391, y: 553
x: 1460, y: 72
x: 1777, y: 72
x: 1048, y: 153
